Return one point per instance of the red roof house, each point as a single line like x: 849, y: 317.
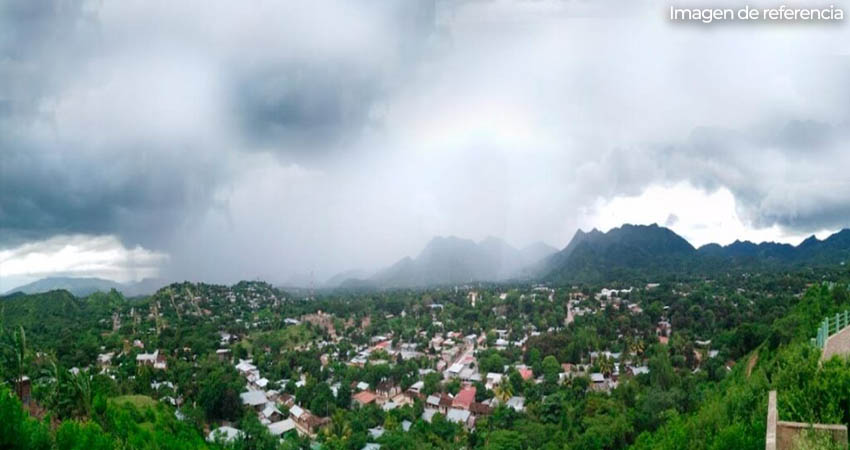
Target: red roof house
x: 464, y: 398
x: 363, y: 398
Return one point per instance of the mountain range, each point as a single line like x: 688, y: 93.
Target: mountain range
x: 651, y: 251
x: 626, y: 252
x: 84, y: 286
x: 452, y: 260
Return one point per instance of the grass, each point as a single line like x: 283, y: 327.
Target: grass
x: 288, y: 337
x: 139, y: 401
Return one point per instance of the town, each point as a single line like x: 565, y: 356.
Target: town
x: 220, y: 355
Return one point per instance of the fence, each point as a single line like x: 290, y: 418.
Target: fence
x: 830, y: 326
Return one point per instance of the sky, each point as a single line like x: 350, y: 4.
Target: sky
x: 285, y: 140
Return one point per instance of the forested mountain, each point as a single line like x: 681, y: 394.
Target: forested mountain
x: 84, y: 286
x: 646, y: 252
x: 452, y: 260
x: 651, y: 251
x: 597, y: 256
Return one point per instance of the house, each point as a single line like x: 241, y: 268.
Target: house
x: 417, y: 387
x: 428, y: 414
x: 464, y: 398
x: 445, y: 403
x: 389, y: 406
x: 403, y: 399
x: 105, y: 359
x: 271, y: 413
x: 638, y: 370
x: 460, y: 417
x: 254, y: 399
x: 285, y: 400
x: 517, y: 403
x: 245, y: 367
x: 224, y: 434
x: 493, y: 379
x: 526, y: 373
x: 310, y: 425
x: 376, y: 432
x: 469, y: 375
x: 223, y: 354
x: 296, y: 412
x: 261, y: 383
x: 282, y: 427
x: 598, y: 382
x: 454, y: 370
x: 480, y: 409
x: 155, y: 360
x: 363, y: 398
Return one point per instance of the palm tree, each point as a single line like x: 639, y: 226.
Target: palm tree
x: 16, y: 357
x: 606, y: 365
x: 59, y: 396
x: 504, y: 391
x: 83, y: 393
x: 339, y: 432
x: 638, y: 347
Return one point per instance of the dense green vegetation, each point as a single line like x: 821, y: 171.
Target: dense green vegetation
x: 758, y: 324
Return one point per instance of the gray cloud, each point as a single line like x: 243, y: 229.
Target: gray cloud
x: 279, y: 138
x: 787, y: 173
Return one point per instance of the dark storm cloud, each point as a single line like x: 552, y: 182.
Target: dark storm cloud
x: 307, y: 106
x: 276, y: 137
x: 310, y: 108
x: 42, y: 194
x: 98, y: 138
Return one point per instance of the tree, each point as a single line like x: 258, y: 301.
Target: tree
x: 322, y: 401
x: 431, y: 383
x: 17, y: 430
x: 606, y: 365
x: 83, y: 395
x: 661, y: 373
x: 218, y: 394
x: 72, y: 435
x: 551, y: 370
x: 15, y: 358
x: 504, y: 392
x: 343, y: 395
x: 505, y: 440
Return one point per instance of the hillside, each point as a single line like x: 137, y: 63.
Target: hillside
x: 61, y: 321
x: 84, y: 286
x: 733, y: 413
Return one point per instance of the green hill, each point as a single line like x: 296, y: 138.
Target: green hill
x: 733, y: 413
